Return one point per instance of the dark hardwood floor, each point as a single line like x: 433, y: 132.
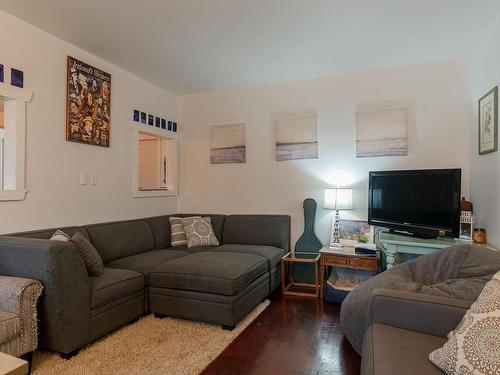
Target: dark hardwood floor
x: 292, y: 336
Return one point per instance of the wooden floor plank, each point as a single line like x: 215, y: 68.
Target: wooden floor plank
x: 292, y: 336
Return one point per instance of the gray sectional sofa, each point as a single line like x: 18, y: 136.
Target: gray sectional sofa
x: 144, y: 274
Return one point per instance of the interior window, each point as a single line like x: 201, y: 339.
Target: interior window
x: 153, y: 162
x: 2, y: 143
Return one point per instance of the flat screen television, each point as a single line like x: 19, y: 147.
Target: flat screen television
x: 420, y: 203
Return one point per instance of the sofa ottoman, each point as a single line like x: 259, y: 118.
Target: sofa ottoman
x: 212, y: 287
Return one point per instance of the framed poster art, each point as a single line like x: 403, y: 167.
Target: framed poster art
x: 488, y: 122
x: 354, y: 231
x: 88, y: 104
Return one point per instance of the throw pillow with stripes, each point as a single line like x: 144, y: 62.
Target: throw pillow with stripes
x: 177, y: 232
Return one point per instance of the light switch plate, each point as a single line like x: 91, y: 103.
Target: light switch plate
x: 93, y: 179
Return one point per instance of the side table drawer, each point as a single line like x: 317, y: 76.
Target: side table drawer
x: 362, y: 262
x: 334, y: 259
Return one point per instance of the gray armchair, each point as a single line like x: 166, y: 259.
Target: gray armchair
x: 18, y: 315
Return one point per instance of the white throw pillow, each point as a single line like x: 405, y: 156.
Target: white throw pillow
x: 474, y: 346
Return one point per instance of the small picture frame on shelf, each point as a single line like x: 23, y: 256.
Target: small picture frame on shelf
x: 163, y: 123
x: 170, y: 126
x: 466, y: 225
x: 355, y: 231
x: 137, y: 115
x: 143, y: 118
x: 1, y: 73
x: 174, y: 127
x: 151, y: 120
x: 16, y: 78
x: 158, y: 122
x: 488, y: 122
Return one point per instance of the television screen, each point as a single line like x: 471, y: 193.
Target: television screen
x: 419, y: 201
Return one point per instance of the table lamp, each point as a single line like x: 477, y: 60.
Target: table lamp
x: 339, y: 198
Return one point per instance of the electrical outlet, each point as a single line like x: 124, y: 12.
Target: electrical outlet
x: 83, y: 178
x: 93, y: 179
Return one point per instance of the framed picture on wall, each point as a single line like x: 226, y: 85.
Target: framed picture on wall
x: 488, y: 122
x: 88, y: 104
x: 354, y: 231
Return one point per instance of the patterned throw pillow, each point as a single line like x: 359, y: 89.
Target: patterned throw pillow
x: 177, y: 233
x: 199, y: 232
x: 89, y: 254
x: 474, y: 346
x: 59, y: 235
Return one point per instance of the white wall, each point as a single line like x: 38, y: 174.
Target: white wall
x: 437, y: 138
x: 485, y: 169
x: 55, y: 197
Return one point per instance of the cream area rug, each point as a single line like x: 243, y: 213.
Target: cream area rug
x: 150, y: 346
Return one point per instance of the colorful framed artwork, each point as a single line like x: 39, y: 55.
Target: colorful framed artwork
x: 158, y: 122
x: 16, y: 78
x: 151, y: 120
x: 488, y: 122
x: 170, y: 126
x: 136, y: 115
x: 88, y: 104
x: 1, y: 73
x: 174, y: 127
x: 143, y: 118
x: 354, y: 231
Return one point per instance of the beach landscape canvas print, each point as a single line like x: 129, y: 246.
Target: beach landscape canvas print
x: 297, y: 138
x: 381, y: 133
x: 227, y: 144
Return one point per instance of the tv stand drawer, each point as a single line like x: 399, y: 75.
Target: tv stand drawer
x: 336, y: 260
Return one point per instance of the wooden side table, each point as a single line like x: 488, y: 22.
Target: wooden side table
x: 12, y: 366
x: 344, y: 257
x: 294, y: 288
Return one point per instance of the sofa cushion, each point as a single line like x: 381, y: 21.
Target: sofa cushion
x: 88, y: 253
x: 389, y: 350
x: 209, y: 272
x: 271, y: 253
x: 160, y: 227
x: 121, y: 239
x: 114, y: 284
x: 268, y: 230
x: 10, y: 326
x: 145, y: 262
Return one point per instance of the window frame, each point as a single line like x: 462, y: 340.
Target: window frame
x: 172, y: 166
x: 17, y: 98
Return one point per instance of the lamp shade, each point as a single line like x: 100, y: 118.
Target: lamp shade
x: 338, y: 198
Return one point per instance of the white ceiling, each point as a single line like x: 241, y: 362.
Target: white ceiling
x: 188, y: 46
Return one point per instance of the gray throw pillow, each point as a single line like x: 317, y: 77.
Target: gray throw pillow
x: 199, y: 232
x: 90, y: 256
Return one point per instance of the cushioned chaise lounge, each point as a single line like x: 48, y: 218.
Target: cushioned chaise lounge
x: 143, y: 274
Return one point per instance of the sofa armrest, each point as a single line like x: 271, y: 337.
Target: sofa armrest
x: 19, y: 296
x: 64, y: 308
x: 424, y: 313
